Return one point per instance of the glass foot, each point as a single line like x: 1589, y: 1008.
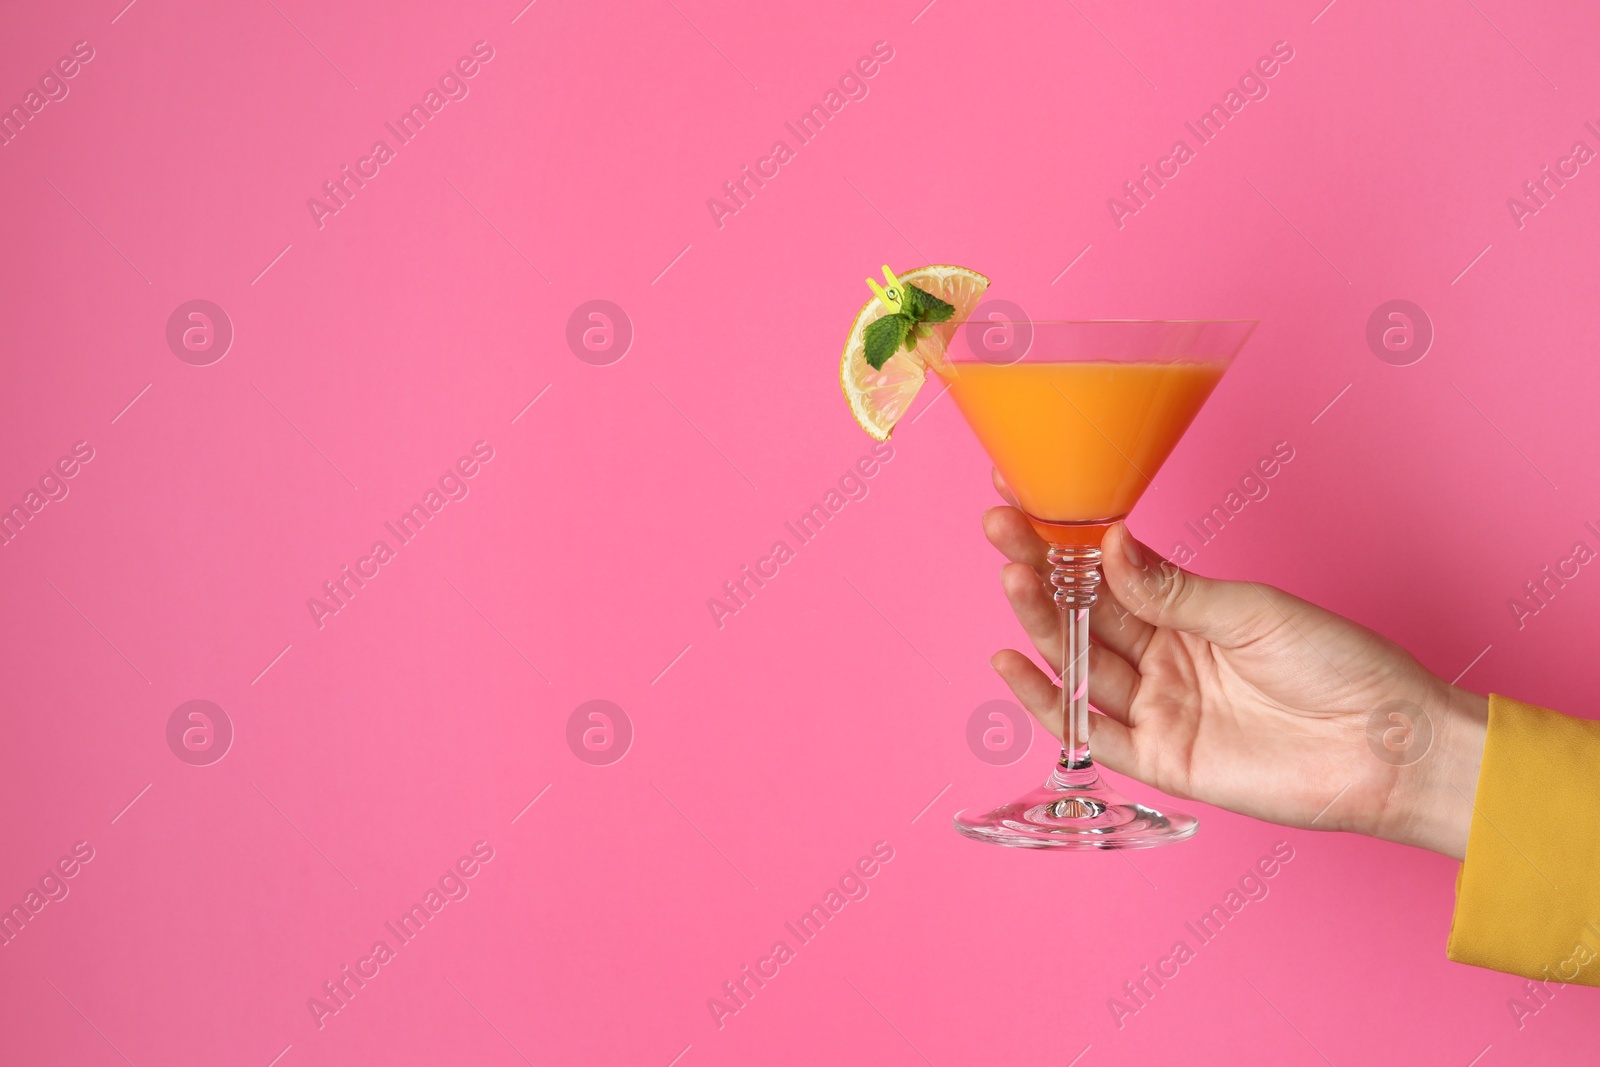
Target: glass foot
x: 1076, y: 810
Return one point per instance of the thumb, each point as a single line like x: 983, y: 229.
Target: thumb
x: 1161, y: 593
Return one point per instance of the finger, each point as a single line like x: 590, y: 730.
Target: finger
x: 1031, y: 686
x: 1112, y: 679
x: 1161, y: 593
x: 1031, y: 596
x: 1119, y: 629
x: 1109, y: 740
x: 1113, y: 684
x: 1002, y: 488
x: 1113, y: 625
x: 1040, y: 618
x: 1110, y: 694
x: 1111, y: 744
x: 1034, y: 609
x: 1010, y: 531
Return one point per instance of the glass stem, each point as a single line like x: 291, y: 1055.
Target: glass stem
x: 1075, y: 576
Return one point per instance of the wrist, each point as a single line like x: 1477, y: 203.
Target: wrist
x: 1439, y: 788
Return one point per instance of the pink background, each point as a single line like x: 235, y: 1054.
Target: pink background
x: 370, y: 754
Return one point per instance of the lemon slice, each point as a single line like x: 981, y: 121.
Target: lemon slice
x: 880, y: 398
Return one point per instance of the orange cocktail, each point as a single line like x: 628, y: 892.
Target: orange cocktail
x: 1079, y: 442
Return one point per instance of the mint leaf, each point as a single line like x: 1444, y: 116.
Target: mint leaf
x: 925, y: 307
x: 884, y: 336
x: 887, y: 335
x: 916, y: 334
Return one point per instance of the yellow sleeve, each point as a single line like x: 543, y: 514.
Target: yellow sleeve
x: 1528, y: 894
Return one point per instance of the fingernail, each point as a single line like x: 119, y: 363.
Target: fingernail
x: 993, y: 664
x: 1130, y: 549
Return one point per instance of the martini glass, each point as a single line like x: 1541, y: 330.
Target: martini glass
x: 1078, y: 417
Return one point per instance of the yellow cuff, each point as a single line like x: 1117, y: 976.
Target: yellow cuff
x: 1528, y: 894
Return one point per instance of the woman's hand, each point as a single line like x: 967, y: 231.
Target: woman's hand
x: 1242, y: 696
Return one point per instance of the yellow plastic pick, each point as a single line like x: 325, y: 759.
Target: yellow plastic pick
x: 891, y: 293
